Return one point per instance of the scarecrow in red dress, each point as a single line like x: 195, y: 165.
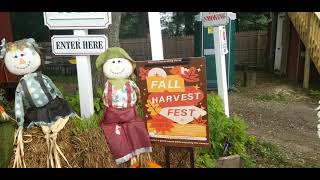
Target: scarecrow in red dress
x: 124, y: 130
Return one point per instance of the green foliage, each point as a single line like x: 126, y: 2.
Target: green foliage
x: 85, y: 124
x: 140, y: 109
x: 98, y: 101
x: 134, y: 25
x: 221, y: 129
x: 268, y: 155
x: 74, y: 101
x: 314, y: 93
x: 178, y: 23
x: 61, y: 79
x: 252, y: 21
x: 204, y: 159
x: 5, y: 103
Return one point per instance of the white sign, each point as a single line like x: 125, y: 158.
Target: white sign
x: 221, y: 67
x: 79, y: 45
x: 214, y: 19
x: 77, y: 20
x: 223, y: 35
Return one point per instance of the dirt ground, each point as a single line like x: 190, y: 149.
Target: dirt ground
x: 281, y: 113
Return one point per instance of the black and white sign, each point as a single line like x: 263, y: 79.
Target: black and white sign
x: 214, y: 19
x: 77, y: 20
x: 78, y: 45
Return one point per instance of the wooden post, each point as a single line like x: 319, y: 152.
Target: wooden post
x: 258, y: 48
x: 306, y: 74
x: 285, y: 49
x: 191, y: 151
x: 306, y: 69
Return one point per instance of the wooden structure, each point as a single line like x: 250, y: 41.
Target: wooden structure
x: 307, y: 26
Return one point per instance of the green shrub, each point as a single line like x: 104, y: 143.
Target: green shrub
x: 222, y: 129
x: 315, y: 93
x: 74, y: 101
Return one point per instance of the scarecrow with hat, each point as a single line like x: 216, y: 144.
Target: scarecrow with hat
x: 124, y: 130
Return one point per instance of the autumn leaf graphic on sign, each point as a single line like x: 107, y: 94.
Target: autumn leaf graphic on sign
x: 191, y: 75
x: 199, y: 121
x: 176, y: 70
x: 143, y: 73
x: 153, y: 108
x: 161, y: 124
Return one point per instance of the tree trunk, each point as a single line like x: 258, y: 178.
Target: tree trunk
x: 112, y: 34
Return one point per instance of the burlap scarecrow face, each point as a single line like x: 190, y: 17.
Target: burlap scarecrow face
x: 115, y: 63
x: 21, y: 57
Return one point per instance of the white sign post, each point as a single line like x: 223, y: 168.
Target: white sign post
x: 80, y: 22
x: 218, y: 20
x: 155, y: 35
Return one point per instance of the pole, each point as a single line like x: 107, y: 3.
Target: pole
x: 84, y: 81
x: 221, y: 67
x: 201, y: 36
x: 155, y: 35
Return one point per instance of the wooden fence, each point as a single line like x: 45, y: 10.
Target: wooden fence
x: 251, y: 48
x: 173, y: 47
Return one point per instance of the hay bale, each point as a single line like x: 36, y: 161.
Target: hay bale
x: 87, y: 150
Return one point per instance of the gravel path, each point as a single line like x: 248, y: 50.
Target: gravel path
x: 280, y: 113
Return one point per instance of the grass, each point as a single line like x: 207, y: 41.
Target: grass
x: 268, y: 155
x: 281, y: 96
x: 85, y: 124
x: 64, y: 79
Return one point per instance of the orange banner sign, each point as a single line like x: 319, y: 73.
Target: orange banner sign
x: 174, y: 99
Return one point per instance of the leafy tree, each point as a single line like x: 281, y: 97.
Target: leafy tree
x: 180, y: 23
x: 252, y: 21
x: 134, y: 25
x: 31, y: 25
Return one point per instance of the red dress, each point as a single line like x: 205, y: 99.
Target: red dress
x: 125, y: 131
